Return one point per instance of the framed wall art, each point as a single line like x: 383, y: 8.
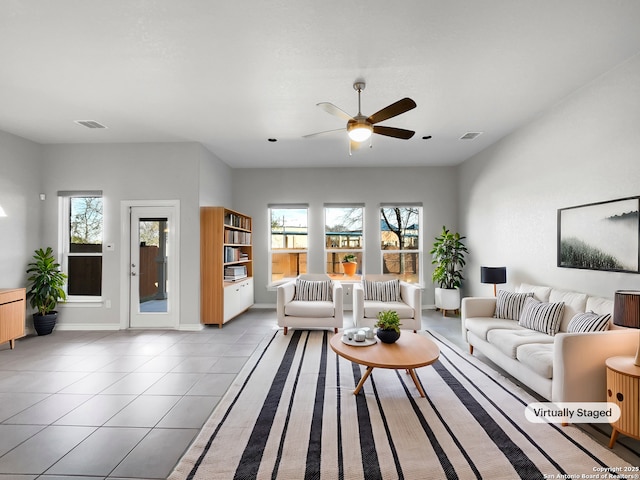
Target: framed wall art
x: 600, y: 236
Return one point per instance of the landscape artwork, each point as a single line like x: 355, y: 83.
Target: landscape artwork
x: 600, y: 236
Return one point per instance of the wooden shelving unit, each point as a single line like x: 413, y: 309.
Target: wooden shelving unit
x: 226, y: 264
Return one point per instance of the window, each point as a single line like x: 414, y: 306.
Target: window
x: 81, y: 242
x: 289, y: 242
x: 343, y: 235
x: 400, y: 243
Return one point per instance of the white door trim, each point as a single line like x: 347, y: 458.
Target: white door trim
x: 125, y: 255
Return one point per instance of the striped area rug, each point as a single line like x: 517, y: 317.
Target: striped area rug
x: 291, y: 414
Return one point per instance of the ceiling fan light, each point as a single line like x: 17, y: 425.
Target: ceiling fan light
x: 359, y: 132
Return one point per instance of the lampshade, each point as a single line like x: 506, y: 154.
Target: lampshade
x: 626, y: 312
x: 493, y: 275
x: 359, y: 132
x: 626, y: 308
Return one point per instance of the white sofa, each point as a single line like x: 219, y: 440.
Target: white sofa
x: 308, y: 314
x: 565, y: 367
x: 409, y: 306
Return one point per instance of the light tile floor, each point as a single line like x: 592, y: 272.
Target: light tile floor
x: 113, y: 405
x: 127, y: 404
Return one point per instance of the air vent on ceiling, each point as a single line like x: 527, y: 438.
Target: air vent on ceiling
x: 470, y: 135
x: 89, y: 124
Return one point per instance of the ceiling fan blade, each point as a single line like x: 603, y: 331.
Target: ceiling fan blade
x: 392, y: 110
x: 333, y: 110
x: 324, y: 133
x: 393, y: 132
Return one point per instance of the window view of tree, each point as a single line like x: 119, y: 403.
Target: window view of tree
x: 400, y: 233
x: 86, y: 223
x: 289, y: 242
x: 343, y: 237
x: 149, y: 232
x: 83, y: 252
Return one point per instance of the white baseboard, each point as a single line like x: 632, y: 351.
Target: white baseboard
x: 87, y: 326
x: 191, y: 327
x: 115, y: 327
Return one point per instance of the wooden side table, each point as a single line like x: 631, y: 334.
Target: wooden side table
x: 623, y: 389
x: 12, y: 314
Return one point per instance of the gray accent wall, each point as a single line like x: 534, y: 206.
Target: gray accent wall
x: 584, y: 150
x: 255, y: 189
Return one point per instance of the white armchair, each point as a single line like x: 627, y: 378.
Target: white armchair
x: 409, y: 306
x: 304, y: 310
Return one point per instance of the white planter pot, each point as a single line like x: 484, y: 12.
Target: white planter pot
x: 447, y: 298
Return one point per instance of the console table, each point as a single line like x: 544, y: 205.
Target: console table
x: 12, y: 314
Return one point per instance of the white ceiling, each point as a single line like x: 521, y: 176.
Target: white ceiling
x: 232, y: 74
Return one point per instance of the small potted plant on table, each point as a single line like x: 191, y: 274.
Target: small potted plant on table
x: 349, y: 264
x: 388, y: 325
x: 46, y: 289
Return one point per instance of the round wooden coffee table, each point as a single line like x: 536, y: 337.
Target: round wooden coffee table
x: 409, y: 352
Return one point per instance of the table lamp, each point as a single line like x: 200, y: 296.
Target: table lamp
x: 626, y: 312
x: 493, y: 275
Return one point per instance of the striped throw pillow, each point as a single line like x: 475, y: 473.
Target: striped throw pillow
x: 509, y: 304
x: 589, y: 322
x: 542, y: 317
x: 313, y: 290
x: 388, y: 291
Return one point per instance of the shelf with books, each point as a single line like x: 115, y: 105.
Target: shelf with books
x: 226, y: 269
x: 236, y: 237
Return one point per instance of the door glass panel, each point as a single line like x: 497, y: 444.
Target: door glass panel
x: 152, y: 235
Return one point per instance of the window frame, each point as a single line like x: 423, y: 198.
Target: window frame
x: 343, y: 251
x: 420, y: 247
x: 64, y: 242
x: 272, y: 251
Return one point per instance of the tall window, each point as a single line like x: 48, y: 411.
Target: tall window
x: 289, y: 242
x: 81, y: 240
x: 343, y: 236
x: 400, y: 243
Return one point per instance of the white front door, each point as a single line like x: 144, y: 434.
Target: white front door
x: 153, y: 268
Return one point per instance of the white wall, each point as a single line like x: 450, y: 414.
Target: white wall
x: 19, y: 198
x: 131, y: 172
x: 584, y: 150
x: 255, y: 189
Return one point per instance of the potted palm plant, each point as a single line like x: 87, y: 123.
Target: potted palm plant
x: 448, y: 256
x: 45, y: 290
x: 388, y: 325
x: 349, y: 264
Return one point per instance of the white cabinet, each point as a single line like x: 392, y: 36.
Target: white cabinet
x: 237, y: 298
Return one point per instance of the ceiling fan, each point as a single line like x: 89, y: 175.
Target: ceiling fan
x: 360, y: 128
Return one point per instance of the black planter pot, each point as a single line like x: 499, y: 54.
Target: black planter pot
x: 44, y: 323
x: 387, y: 336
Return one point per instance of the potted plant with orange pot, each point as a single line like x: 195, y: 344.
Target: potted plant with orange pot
x: 349, y: 264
